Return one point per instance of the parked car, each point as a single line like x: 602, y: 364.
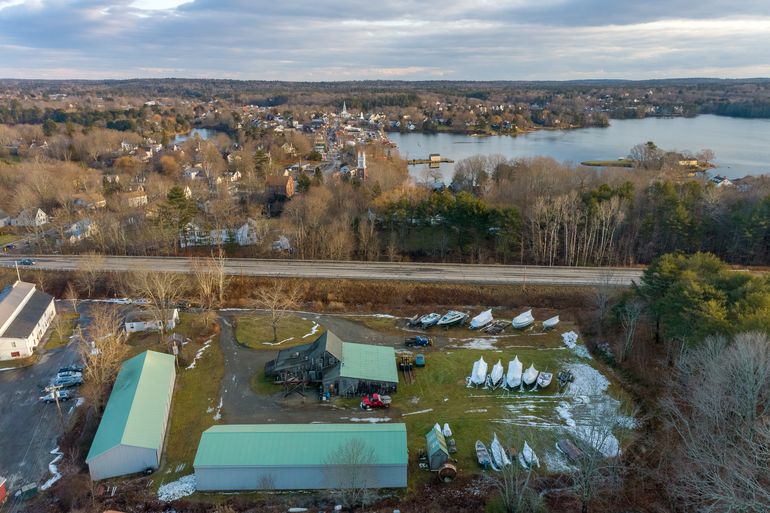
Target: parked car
x: 375, y: 401
x: 69, y: 374
x: 67, y: 381
x: 418, y: 341
x: 26, y: 261
x: 50, y: 397
x: 419, y: 360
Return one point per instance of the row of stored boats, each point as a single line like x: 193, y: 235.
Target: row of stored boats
x: 482, y: 320
x: 498, y: 457
x: 516, y: 377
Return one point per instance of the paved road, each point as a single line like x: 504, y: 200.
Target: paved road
x: 444, y: 273
x: 29, y: 428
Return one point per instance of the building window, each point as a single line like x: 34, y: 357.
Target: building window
x: 13, y: 344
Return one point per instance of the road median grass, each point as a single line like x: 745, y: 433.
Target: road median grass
x: 61, y: 330
x: 255, y: 331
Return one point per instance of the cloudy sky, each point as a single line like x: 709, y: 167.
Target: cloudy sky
x: 391, y: 39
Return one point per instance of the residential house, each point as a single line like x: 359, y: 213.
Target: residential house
x: 30, y: 217
x: 193, y: 173
x: 721, y: 181
x: 144, y: 320
x: 5, y: 219
x: 80, y: 230
x: 90, y: 201
x: 133, y: 199
x: 279, y: 186
x: 25, y: 315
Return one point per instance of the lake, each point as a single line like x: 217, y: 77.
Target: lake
x: 741, y: 146
x: 203, y: 133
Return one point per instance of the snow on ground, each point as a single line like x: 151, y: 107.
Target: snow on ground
x: 556, y: 462
x: 384, y: 316
x: 200, y: 353
x: 417, y: 412
x: 478, y: 343
x: 218, y: 414
x: 373, y: 420
x: 570, y: 339
x: 477, y: 410
x: 277, y: 343
x: 177, y: 489
x: 588, y: 380
x: 53, y: 469
x: 313, y: 330
x: 77, y: 404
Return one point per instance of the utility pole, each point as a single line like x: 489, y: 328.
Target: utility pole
x: 18, y: 275
x: 55, y: 392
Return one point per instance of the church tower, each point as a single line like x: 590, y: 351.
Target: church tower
x: 361, y: 166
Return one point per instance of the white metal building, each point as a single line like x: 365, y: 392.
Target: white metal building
x: 25, y: 314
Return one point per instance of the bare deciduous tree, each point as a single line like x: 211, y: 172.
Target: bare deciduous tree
x: 162, y: 290
x: 629, y: 314
x: 278, y: 298
x: 90, y: 272
x: 211, y: 280
x: 348, y: 473
x: 513, y: 485
x: 102, y: 350
x: 719, y: 411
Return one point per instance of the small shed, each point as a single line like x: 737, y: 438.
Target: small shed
x: 435, y: 443
x: 301, y: 456
x: 131, y: 433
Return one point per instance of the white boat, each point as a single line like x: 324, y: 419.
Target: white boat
x: 496, y: 376
x: 523, y: 320
x: 499, y: 456
x: 530, y: 375
x: 451, y: 318
x: 447, y: 431
x: 513, y: 378
x: 428, y: 320
x: 481, y: 320
x: 551, y: 323
x: 544, y: 379
x: 479, y: 374
x: 527, y: 457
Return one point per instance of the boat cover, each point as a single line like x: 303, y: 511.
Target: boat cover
x: 481, y: 319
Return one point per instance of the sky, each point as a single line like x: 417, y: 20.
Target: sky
x: 317, y: 40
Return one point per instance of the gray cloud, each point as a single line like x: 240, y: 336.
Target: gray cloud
x: 312, y: 40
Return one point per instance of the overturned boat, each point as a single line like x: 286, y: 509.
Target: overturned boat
x: 481, y: 320
x: 499, y: 456
x: 551, y: 323
x: 482, y: 454
x: 513, y: 378
x: 528, y: 458
x: 530, y: 375
x: 523, y: 320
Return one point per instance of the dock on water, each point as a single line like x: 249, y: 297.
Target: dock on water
x: 433, y: 160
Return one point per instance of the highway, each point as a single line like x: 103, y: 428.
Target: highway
x: 356, y: 270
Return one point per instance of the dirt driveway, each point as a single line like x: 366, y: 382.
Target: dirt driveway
x: 242, y: 406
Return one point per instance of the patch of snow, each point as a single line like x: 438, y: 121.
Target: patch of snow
x: 384, y: 316
x: 77, y: 404
x: 373, y: 420
x: 587, y: 380
x: 556, y: 462
x: 414, y: 400
x: 479, y: 343
x: 218, y: 414
x: 200, y: 352
x: 177, y: 489
x: 53, y: 469
x: 277, y: 343
x: 417, y: 412
x: 313, y: 330
x: 570, y: 339
x: 477, y: 410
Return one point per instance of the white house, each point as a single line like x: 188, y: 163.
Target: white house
x: 143, y: 320
x: 721, y: 181
x: 30, y: 217
x: 25, y: 315
x: 80, y: 230
x: 5, y: 219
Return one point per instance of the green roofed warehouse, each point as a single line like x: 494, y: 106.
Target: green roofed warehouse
x: 301, y: 456
x: 133, y: 427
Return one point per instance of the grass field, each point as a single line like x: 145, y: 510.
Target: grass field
x: 195, y: 406
x: 6, y: 238
x: 60, y: 336
x: 256, y: 332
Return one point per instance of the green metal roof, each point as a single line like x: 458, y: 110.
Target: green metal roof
x: 373, y: 363
x: 245, y: 445
x: 135, y: 412
x: 436, y: 441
